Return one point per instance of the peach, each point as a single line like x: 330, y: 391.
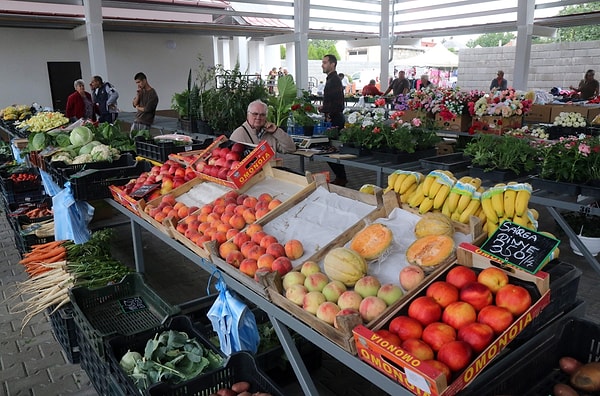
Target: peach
x: 275, y: 249
x: 411, y: 276
x: 425, y: 310
x: 295, y: 293
x: 458, y: 314
x: 261, y: 212
x: 406, y: 327
x: 227, y: 247
x: 253, y: 228
x: 294, y: 249
x: 266, y: 261
x: 168, y: 199
x: 240, y: 199
x: 292, y: 278
x: 442, y: 292
x: 333, y: 290
x: 456, y: 355
x: 248, y: 266
x: 222, y: 227
x: 390, y: 293
x: 255, y: 252
x: 219, y: 237
x: 250, y: 201
x: 371, y: 307
x: 460, y: 275
x: 312, y: 300
x: 477, y: 335
x: 327, y: 312
x: 366, y: 286
x: 477, y: 294
x: 316, y: 281
x: 274, y: 203
x: 494, y: 278
x: 183, y: 212
x: 498, y: 318
x: 230, y: 208
x: 258, y: 236
x: 240, y: 238
x: 201, y: 241
x: 342, y: 312
x: 349, y: 299
x: 515, y: 298
x: 267, y: 240
x: 239, y: 209
x: 418, y: 348
x: 231, y: 233
x: 225, y: 217
x: 309, y: 267
x: 283, y: 265
x: 234, y: 258
x: 437, y: 334
x: 181, y: 227
x: 249, y: 215
x: 265, y: 197
x: 246, y: 246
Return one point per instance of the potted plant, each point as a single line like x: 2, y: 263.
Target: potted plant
x: 587, y: 228
x: 280, y: 103
x: 303, y: 114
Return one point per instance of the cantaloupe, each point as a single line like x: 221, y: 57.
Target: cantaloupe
x: 344, y: 265
x: 372, y: 241
x: 430, y: 251
x: 434, y: 223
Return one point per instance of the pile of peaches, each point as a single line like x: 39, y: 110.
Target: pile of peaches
x: 458, y: 318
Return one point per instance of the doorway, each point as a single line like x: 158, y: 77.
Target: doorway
x: 62, y: 75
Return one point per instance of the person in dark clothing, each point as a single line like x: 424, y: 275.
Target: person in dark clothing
x: 588, y: 87
x: 333, y: 107
x: 399, y: 85
x: 145, y: 103
x: 104, y: 96
x: 499, y: 82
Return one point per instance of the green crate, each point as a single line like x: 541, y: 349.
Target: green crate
x: 125, y: 308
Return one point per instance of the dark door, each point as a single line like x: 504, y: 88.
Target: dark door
x: 62, y: 75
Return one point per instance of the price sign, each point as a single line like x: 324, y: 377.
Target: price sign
x: 520, y: 246
x: 132, y: 304
x: 144, y: 190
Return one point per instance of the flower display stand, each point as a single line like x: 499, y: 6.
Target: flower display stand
x: 460, y: 123
x: 400, y: 157
x: 347, y: 148
x: 495, y: 176
x: 495, y: 125
x: 556, y: 186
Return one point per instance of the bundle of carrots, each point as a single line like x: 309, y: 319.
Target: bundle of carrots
x: 45, y: 253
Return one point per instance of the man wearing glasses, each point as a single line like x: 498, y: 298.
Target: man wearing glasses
x: 256, y: 129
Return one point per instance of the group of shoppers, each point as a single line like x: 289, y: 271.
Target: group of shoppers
x: 101, y: 104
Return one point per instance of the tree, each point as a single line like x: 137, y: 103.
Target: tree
x: 491, y: 40
x: 317, y: 49
x: 580, y: 33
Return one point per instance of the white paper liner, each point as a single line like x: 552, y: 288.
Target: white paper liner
x: 202, y: 194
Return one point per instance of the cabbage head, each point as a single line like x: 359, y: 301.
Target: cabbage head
x: 101, y: 153
x: 38, y: 143
x: 83, y: 159
x: 81, y: 135
x: 86, y: 149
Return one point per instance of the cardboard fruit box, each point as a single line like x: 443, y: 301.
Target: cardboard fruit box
x: 460, y: 123
x: 419, y: 376
x: 245, y: 170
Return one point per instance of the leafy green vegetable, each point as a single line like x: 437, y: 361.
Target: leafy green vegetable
x: 38, y: 142
x: 63, y: 140
x: 81, y: 136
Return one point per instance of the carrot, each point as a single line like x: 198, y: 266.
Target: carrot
x: 43, y: 256
x: 48, y: 244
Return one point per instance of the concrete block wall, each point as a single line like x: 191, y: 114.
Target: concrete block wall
x: 550, y: 65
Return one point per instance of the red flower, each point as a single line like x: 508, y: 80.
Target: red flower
x: 295, y: 107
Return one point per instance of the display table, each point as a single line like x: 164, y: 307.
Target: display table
x: 282, y: 321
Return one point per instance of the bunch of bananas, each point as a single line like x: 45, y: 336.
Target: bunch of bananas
x: 432, y: 193
x: 15, y: 112
x: 508, y: 202
x: 404, y: 183
x: 464, y: 200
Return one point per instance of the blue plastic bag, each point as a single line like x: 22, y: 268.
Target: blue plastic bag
x: 233, y: 321
x: 71, y: 217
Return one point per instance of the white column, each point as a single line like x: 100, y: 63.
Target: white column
x: 384, y: 53
x: 95, y: 38
x: 523, y: 50
x: 301, y: 18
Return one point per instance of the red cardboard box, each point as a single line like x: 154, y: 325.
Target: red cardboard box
x: 418, y: 376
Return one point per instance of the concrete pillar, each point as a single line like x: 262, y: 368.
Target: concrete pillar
x: 95, y: 38
x: 523, y: 50
x: 301, y: 19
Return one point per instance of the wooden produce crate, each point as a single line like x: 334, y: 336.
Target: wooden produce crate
x: 420, y: 377
x: 460, y: 123
x: 496, y: 125
x: 124, y: 199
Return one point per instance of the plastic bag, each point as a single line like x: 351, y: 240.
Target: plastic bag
x: 71, y: 217
x: 233, y: 321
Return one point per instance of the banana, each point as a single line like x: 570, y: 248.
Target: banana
x: 470, y: 210
x: 446, y: 208
x: 409, y: 180
x: 534, y: 213
x: 455, y: 216
x: 441, y: 196
x: 452, y: 200
x: 392, y: 179
x: 491, y: 228
x: 475, y: 181
x: 426, y: 205
x: 427, y: 183
x: 463, y: 202
x: 488, y: 209
x: 435, y: 188
x: 521, y: 202
x: 399, y: 181
x: 522, y: 221
x: 481, y: 214
x: 509, y: 202
x: 405, y: 197
x: 417, y: 196
x: 498, y: 200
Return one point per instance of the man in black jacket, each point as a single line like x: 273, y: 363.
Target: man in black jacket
x: 104, y: 97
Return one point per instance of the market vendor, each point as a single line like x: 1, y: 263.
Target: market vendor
x: 588, y: 87
x: 256, y: 129
x: 79, y: 103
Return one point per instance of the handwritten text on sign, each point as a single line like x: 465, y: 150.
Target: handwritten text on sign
x: 520, y: 246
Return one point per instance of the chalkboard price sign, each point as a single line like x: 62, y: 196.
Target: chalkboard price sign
x: 132, y: 304
x: 520, y: 246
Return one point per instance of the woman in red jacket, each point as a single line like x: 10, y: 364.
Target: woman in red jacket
x: 79, y: 103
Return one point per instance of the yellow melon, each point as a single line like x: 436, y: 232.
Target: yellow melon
x: 434, y: 223
x: 372, y: 240
x: 344, y: 265
x: 430, y: 251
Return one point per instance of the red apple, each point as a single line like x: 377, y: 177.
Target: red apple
x: 442, y: 292
x: 494, y: 278
x: 406, y: 327
x: 458, y: 314
x: 514, y: 298
x: 232, y: 156
x: 498, y: 318
x: 437, y: 334
x: 425, y: 310
x: 476, y: 294
x: 478, y: 335
x: 460, y: 275
x: 418, y: 348
x: 456, y: 355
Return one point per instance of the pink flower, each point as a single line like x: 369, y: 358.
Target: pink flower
x: 584, y: 149
x: 416, y: 122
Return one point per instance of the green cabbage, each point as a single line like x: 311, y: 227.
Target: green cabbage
x: 38, y: 142
x: 63, y: 140
x: 81, y: 136
x: 86, y: 149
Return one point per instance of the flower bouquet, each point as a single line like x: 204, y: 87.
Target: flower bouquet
x: 451, y: 109
x: 498, y: 111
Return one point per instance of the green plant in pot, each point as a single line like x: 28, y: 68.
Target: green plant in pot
x: 504, y: 152
x: 281, y: 103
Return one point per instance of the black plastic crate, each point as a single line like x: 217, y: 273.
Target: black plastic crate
x: 92, y: 184
x: 10, y: 197
x: 117, y: 346
x: 18, y: 211
x: 61, y: 172
x: 95, y: 367
x: 241, y: 366
x: 12, y: 187
x: 564, y: 282
x: 532, y: 368
x: 25, y: 242
x: 128, y: 307
x: 160, y: 150
x: 454, y: 162
x: 65, y: 331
